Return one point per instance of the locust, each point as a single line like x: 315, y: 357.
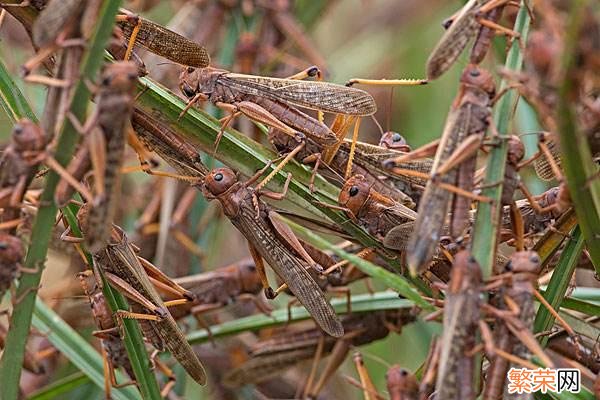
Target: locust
x: 401, y: 384
x: 270, y: 239
x: 161, y: 41
x: 104, y: 145
x: 18, y: 165
x: 477, y: 18
x: 108, y: 333
x: 461, y: 319
x: 271, y: 356
x: 515, y: 309
x: 453, y: 168
x: 134, y: 278
x: 177, y: 152
x: 380, y: 215
x: 275, y: 101
x: 366, y: 162
x: 225, y: 285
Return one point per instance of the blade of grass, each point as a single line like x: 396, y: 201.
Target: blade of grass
x: 12, y: 99
x: 576, y: 156
x: 581, y: 327
x: 485, y: 233
x: 360, y: 303
x: 580, y: 306
x: 559, y: 283
x: 133, y: 339
x: 12, y: 358
x: 77, y: 350
x: 60, y: 386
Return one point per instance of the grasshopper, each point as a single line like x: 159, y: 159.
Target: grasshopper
x: 178, y: 153
x: 453, y: 167
x: 161, y: 41
x: 105, y: 146
x: 400, y: 383
x: 366, y: 162
x: 133, y: 277
x: 477, y: 18
x: 269, y: 238
x: 275, y: 101
x: 216, y: 289
x: 382, y: 217
x: 18, y: 165
x: 461, y: 318
x: 272, y: 355
x: 112, y: 344
x: 511, y: 335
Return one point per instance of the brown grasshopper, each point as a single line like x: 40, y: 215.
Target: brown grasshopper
x: 453, y: 167
x: 382, y: 217
x: 461, y: 318
x: 18, y: 165
x: 366, y: 162
x: 178, y: 153
x: 225, y: 285
x: 271, y: 356
x: 401, y: 384
x: 512, y: 331
x: 274, y: 101
x: 105, y: 147
x: 161, y: 41
x: 112, y: 344
x: 477, y: 18
x: 134, y: 278
x: 11, y: 255
x: 270, y: 239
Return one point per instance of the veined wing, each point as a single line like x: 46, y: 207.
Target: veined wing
x: 323, y: 96
x: 454, y: 40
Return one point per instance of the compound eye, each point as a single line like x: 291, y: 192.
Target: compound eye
x: 18, y: 129
x: 190, y: 70
x: 397, y: 137
x: 106, y: 81
x: 188, y: 91
x: 353, y: 191
x: 218, y: 177
x: 534, y: 259
x: 475, y: 73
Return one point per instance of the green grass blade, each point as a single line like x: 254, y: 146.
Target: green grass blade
x: 576, y: 156
x: 12, y: 358
x: 77, y: 350
x: 360, y: 303
x: 12, y: 99
x: 60, y: 386
x: 484, y: 232
x: 559, y: 283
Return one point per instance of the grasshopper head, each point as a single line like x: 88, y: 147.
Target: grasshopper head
x: 395, y: 141
x: 11, y: 249
x: 354, y: 193
x: 27, y: 136
x: 516, y: 150
x: 120, y: 77
x: 219, y: 180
